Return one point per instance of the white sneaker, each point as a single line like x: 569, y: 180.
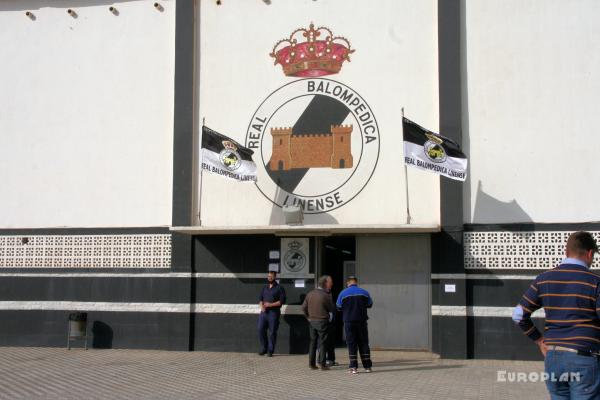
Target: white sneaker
x: 353, y: 371
x: 368, y: 370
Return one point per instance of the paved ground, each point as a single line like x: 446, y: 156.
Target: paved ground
x: 51, y: 373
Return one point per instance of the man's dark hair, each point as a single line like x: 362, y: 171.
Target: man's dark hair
x: 272, y: 272
x: 581, y: 242
x: 323, y: 281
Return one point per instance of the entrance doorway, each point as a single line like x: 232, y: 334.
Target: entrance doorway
x: 395, y: 269
x: 338, y: 260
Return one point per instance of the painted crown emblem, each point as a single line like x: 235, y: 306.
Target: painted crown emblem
x: 295, y: 245
x: 229, y: 145
x: 312, y: 56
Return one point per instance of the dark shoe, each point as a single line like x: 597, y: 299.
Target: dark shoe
x: 332, y: 363
x: 262, y: 353
x: 269, y: 354
x: 323, y: 367
x: 313, y: 367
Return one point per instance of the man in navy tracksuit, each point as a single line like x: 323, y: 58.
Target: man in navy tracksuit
x: 353, y: 302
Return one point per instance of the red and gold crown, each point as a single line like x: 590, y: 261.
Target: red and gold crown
x: 312, y: 57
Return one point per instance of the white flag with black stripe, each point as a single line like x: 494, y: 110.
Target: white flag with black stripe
x: 226, y: 157
x: 429, y: 151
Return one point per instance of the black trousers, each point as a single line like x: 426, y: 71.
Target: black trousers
x: 319, y: 336
x: 357, y: 338
x: 330, y: 349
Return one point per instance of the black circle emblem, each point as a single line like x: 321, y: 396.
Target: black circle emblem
x: 294, y: 260
x: 319, y: 143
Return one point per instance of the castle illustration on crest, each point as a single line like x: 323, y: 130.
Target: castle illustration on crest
x: 315, y: 150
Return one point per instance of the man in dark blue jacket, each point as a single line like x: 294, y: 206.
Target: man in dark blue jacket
x: 271, y: 298
x: 353, y: 302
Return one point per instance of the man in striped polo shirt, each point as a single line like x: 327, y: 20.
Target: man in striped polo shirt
x: 570, y: 344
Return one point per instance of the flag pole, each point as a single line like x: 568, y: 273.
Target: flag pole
x: 201, y: 176
x: 406, y: 184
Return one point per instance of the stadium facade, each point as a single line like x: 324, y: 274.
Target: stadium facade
x: 105, y: 209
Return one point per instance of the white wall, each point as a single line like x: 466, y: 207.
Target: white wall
x: 532, y: 110
x: 86, y: 114
x: 394, y: 66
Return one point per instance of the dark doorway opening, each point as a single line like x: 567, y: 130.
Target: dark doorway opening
x: 337, y: 251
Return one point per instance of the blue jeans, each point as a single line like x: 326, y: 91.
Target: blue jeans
x: 572, y: 376
x: 268, y: 323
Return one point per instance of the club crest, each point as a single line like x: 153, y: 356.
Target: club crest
x: 229, y: 156
x: 317, y: 139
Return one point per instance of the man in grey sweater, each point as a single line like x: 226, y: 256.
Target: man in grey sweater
x: 318, y: 308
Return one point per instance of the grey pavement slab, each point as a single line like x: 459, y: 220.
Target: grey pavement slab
x: 55, y: 373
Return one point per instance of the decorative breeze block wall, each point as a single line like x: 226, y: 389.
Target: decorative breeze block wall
x: 517, y: 250
x: 86, y: 251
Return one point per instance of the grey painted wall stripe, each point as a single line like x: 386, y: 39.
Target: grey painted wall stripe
x: 92, y: 275
x: 211, y: 308
x: 225, y: 275
x: 200, y: 308
x: 473, y: 311
x: 222, y: 275
x: 218, y: 275
x: 483, y: 276
x: 183, y: 126
x: 447, y: 251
